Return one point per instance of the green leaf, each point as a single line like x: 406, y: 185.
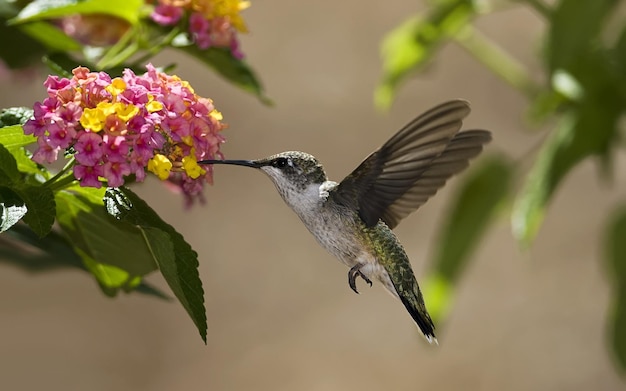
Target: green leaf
x: 412, y: 44
x: 50, y: 36
x: 114, y: 251
x: 38, y: 200
x: 232, y: 69
x: 8, y: 167
x: 473, y: 208
x: 14, y: 116
x: 587, y: 129
x: 35, y: 254
x: 176, y: 259
x: 48, y: 9
x: 41, y: 207
x: 615, y: 256
x: 50, y: 253
x: 12, y: 208
x: 13, y: 137
x: 575, y: 27
x: 110, y: 278
x: 618, y: 56
x: 26, y: 165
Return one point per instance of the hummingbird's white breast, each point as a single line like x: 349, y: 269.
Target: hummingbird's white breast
x: 332, y: 225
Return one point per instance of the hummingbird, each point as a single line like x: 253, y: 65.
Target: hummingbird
x: 353, y: 219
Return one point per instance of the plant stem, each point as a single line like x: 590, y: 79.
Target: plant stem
x: 125, y: 48
x: 60, y: 180
x: 155, y: 49
x: 61, y: 183
x: 497, y: 60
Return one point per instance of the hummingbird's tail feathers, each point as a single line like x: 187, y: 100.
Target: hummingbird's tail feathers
x: 417, y: 309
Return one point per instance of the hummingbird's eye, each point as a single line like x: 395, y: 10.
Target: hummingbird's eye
x: 281, y: 162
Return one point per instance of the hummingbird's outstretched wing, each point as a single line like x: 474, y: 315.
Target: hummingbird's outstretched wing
x: 412, y: 165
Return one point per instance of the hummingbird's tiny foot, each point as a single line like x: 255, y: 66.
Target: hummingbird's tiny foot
x: 365, y: 278
x: 352, y: 275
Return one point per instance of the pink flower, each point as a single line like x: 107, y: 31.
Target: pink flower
x: 115, y: 148
x: 115, y: 172
x: 166, y: 15
x: 88, y: 148
x: 199, y: 30
x: 88, y: 175
x: 59, y: 136
x: 54, y: 85
x: 36, y: 126
x: 45, y: 153
x: 69, y: 113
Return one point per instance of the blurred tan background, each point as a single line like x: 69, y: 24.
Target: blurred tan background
x: 281, y: 315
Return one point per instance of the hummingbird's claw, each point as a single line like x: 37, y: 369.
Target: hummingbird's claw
x: 352, y: 275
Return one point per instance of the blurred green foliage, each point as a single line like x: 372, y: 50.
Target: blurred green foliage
x: 584, y: 89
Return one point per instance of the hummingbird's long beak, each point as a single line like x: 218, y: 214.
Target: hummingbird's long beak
x: 245, y: 163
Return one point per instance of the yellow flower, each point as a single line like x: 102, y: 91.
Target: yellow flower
x: 92, y: 119
x: 191, y: 167
x: 107, y: 108
x: 216, y: 115
x: 187, y: 140
x: 223, y: 8
x: 160, y: 166
x: 125, y: 112
x: 116, y: 87
x: 153, y: 106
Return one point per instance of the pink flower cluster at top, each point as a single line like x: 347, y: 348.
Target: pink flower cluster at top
x: 122, y: 126
x: 211, y: 23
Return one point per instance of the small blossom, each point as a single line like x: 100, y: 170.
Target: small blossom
x: 88, y: 175
x: 114, y: 172
x: 60, y: 136
x: 115, y: 148
x: 160, y: 166
x: 191, y: 167
x: 45, y: 153
x: 153, y: 106
x: 117, y: 86
x: 125, y: 111
x: 88, y: 148
x: 167, y: 15
x: 93, y: 119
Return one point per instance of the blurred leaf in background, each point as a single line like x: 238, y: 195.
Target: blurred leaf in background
x: 476, y: 202
x: 615, y: 254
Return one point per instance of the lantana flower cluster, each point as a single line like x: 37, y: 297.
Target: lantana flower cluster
x: 211, y: 23
x: 123, y: 126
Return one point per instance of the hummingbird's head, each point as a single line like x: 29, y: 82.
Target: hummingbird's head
x: 293, y: 169
x: 294, y: 173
